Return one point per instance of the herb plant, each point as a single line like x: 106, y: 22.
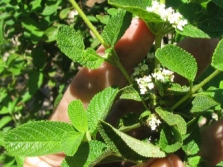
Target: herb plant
x: 171, y: 111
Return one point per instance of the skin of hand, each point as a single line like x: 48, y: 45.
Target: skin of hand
x: 131, y: 48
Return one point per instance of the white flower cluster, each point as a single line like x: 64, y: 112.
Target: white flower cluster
x: 153, y: 122
x: 146, y: 83
x: 140, y: 69
x: 168, y: 14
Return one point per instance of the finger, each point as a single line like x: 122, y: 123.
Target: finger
x: 212, y: 143
x: 131, y: 48
x: 169, y: 161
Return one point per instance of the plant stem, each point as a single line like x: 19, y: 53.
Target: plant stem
x: 158, y: 41
x: 128, y: 128
x: 196, y: 88
x: 206, y: 80
x: 89, y: 24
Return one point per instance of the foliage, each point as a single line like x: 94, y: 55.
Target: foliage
x: 40, y: 25
x: 33, y: 70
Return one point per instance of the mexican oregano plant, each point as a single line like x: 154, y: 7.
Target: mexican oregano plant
x: 88, y: 139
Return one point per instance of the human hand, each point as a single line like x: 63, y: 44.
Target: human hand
x: 131, y: 48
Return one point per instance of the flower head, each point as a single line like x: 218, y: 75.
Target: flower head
x: 168, y: 14
x: 154, y: 122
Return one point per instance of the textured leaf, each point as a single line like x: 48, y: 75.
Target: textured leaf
x: 137, y: 7
x: 172, y: 119
x: 129, y: 92
x: 116, y: 27
x: 71, y: 43
x: 36, y: 138
x: 192, y: 31
x: 99, y: 107
x: 215, y: 93
x: 208, y: 20
x: 217, y: 58
x: 78, y: 115
x: 71, y: 142
x: 202, y: 103
x: 170, y: 139
x: 178, y: 60
x: 88, y: 154
x: 127, y: 146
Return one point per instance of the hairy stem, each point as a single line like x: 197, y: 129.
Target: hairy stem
x: 89, y: 24
x: 128, y: 128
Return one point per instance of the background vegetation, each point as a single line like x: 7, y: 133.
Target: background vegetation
x: 33, y: 71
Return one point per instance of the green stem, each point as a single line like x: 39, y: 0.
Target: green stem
x: 196, y: 88
x: 89, y: 24
x: 158, y: 41
x: 128, y: 128
x: 206, y: 80
x: 120, y: 66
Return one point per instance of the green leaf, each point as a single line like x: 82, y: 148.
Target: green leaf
x: 127, y: 146
x: 71, y: 142
x: 71, y: 43
x: 51, y: 8
x: 208, y: 20
x: 78, y: 116
x: 170, y: 139
x: 218, y: 2
x: 2, y: 39
x: 192, y: 31
x: 99, y: 107
x: 116, y: 27
x: 217, y: 58
x: 192, y: 140
x: 215, y: 93
x: 39, y: 57
x: 37, y: 138
x: 220, y: 164
x: 172, y: 119
x: 103, y: 18
x: 51, y: 34
x: 178, y: 60
x: 35, y: 81
x: 63, y: 13
x: 4, y: 120
x: 137, y: 7
x: 57, y: 100
x: 88, y: 154
x: 35, y: 4
x: 202, y: 103
x: 129, y: 92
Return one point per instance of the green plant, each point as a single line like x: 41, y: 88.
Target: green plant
x: 176, y: 130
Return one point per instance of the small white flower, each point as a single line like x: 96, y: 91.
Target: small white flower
x: 150, y: 55
x: 144, y: 67
x: 168, y: 14
x: 150, y: 85
x: 154, y: 122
